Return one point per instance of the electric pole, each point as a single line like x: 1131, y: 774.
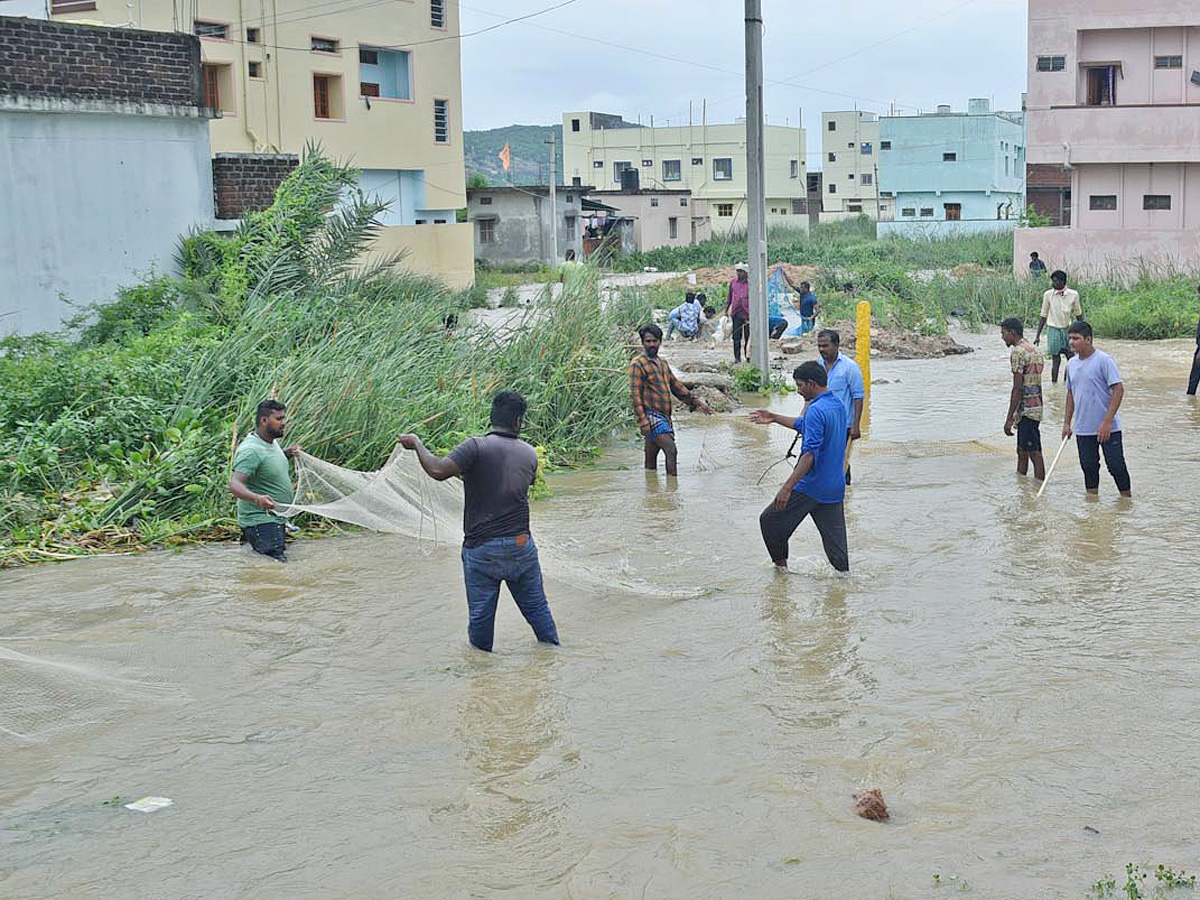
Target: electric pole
x: 553, y: 199
x: 756, y: 206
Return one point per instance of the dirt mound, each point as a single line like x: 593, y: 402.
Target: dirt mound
x: 889, y: 343
x: 705, y: 277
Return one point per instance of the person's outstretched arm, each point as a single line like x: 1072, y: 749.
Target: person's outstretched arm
x: 435, y: 467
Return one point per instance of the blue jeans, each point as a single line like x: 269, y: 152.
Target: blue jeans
x: 513, y: 560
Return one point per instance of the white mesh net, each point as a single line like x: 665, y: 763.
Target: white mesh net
x: 398, y: 499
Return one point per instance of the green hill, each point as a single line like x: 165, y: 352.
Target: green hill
x: 530, y: 153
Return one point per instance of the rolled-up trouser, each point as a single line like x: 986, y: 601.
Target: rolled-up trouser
x: 267, y: 539
x: 672, y: 325
x: 741, y: 333
x: 1114, y: 459
x: 830, y: 518
x: 1194, y: 378
x: 514, y: 561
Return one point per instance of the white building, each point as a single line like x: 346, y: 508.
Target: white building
x: 850, y: 165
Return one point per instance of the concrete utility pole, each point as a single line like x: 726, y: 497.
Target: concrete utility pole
x: 756, y: 205
x: 553, y: 199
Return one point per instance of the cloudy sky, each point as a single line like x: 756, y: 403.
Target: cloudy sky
x: 651, y: 57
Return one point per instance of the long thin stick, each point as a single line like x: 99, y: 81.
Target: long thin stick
x: 1046, y: 481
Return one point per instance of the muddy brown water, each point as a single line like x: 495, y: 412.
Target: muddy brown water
x: 1009, y: 671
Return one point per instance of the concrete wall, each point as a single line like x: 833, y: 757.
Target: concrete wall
x: 850, y: 159
x: 928, y: 230
x: 437, y: 251
x: 1101, y: 255
x: 652, y: 211
x: 976, y: 205
x: 989, y: 151
x: 521, y: 222
x: 89, y: 202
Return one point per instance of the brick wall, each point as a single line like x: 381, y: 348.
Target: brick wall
x: 1049, y: 176
x: 64, y: 61
x: 246, y: 182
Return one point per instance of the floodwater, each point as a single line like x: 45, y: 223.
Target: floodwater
x: 1019, y: 677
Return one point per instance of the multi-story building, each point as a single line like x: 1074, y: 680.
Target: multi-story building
x: 709, y: 160
x: 1114, y: 101
x: 378, y: 86
x: 952, y: 173
x: 850, y: 166
x: 513, y: 224
x: 659, y: 218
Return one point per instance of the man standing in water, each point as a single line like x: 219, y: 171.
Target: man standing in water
x: 1059, y: 305
x: 737, y: 307
x: 261, y: 479
x: 845, y: 382
x: 1025, y: 399
x: 497, y: 471
x: 1094, y: 394
x: 816, y: 486
x: 1194, y: 378
x: 651, y: 384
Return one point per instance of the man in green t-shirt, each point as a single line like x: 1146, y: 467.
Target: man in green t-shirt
x: 261, y: 479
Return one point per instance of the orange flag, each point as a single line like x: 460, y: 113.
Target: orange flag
x: 506, y: 157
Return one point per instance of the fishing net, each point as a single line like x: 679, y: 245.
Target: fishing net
x: 397, y: 499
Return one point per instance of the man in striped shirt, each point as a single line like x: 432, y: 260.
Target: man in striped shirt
x: 651, y: 385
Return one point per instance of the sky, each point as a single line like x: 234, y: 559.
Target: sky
x: 846, y: 54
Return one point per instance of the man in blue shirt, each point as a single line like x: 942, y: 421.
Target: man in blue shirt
x: 845, y: 383
x: 816, y: 486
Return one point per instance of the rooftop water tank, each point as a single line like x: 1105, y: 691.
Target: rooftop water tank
x: 943, y: 109
x: 979, y: 106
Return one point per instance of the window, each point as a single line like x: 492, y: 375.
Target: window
x: 683, y: 202
x: 1102, y: 201
x: 1101, y: 86
x: 953, y: 211
x: 832, y: 125
x: 1006, y: 165
x: 485, y: 201
x: 949, y: 157
x: 795, y: 168
x: 885, y: 145
x: 854, y: 207
x: 832, y: 188
x: 218, y: 88
x: 832, y: 157
x: 866, y: 148
x: 1051, y: 63
x: 324, y: 45
x: 866, y: 179
x: 672, y: 170
x: 253, y: 36
x: 927, y: 211
x: 654, y: 201
x: 217, y: 30
x: 850, y: 145
x: 421, y: 222
x: 1168, y: 62
x: 570, y: 228
x: 570, y: 199
x: 576, y: 181
x: 327, y: 97
x: 1156, y: 201
x: 598, y: 164
x: 697, y: 160
x: 783, y: 211
x: 58, y: 7
x: 908, y: 211
x: 441, y: 121
x: 255, y: 69
x: 723, y: 169
x: 437, y: 13
x: 647, y: 164
x: 725, y: 210
x: 574, y: 124
x: 618, y: 168
x: 487, y: 231
x: 385, y: 73
x: 439, y: 221
x: 672, y: 228
x: 850, y: 176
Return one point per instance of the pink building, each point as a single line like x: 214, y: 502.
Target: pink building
x: 1114, y: 100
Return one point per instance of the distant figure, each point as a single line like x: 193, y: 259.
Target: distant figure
x: 1194, y: 378
x: 1094, y: 395
x: 1025, y: 399
x: 849, y: 290
x: 737, y: 306
x: 708, y: 323
x: 776, y: 323
x: 685, y: 318
x: 1036, y: 266
x: 810, y: 308
x: 651, y: 386
x: 497, y: 471
x: 815, y: 487
x: 845, y: 381
x: 261, y: 479
x: 1059, y: 305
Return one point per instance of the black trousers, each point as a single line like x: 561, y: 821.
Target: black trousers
x: 1194, y: 378
x: 741, y: 332
x: 1114, y: 459
x: 830, y: 518
x: 266, y: 539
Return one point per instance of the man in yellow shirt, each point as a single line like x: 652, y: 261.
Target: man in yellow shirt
x: 1060, y: 307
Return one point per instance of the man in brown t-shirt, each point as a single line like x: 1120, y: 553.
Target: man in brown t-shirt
x: 497, y: 471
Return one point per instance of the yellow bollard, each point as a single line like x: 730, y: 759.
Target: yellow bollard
x: 862, y: 346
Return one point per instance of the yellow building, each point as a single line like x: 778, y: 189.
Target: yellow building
x: 377, y: 85
x: 708, y: 160
x: 850, y: 163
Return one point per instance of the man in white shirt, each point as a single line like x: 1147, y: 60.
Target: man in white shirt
x: 1060, y: 307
